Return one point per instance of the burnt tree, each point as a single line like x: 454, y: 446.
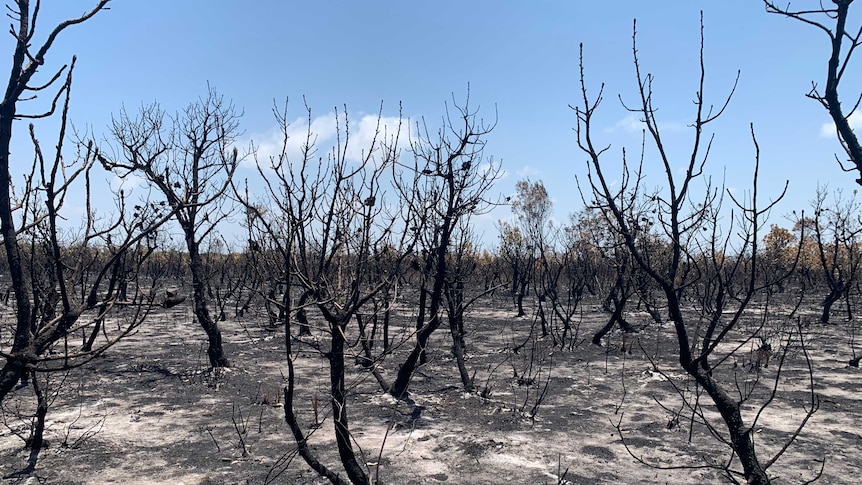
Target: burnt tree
x: 189, y: 159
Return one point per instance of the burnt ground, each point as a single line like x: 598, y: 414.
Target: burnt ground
x: 149, y: 411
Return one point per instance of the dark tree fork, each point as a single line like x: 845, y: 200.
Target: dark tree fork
x: 843, y: 43
x: 25, y: 63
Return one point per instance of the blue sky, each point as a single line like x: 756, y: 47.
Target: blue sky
x: 519, y: 58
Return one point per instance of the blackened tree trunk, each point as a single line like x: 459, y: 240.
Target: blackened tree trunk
x: 37, y: 440
x: 215, y: 350
x: 456, y: 308
x: 405, y: 373
x: 340, y: 419
x: 616, y: 301
x: 741, y: 435
x: 616, y: 318
x: 420, y: 318
x: 302, y: 315
x: 833, y: 296
x: 386, y: 319
x: 14, y: 369
x: 519, y: 300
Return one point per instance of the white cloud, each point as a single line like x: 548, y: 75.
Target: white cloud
x: 271, y: 143
x: 127, y: 184
x: 325, y: 136
x: 671, y: 126
x: 324, y: 127
x: 377, y: 132
x: 827, y: 130
x: 633, y: 123
x: 526, y: 171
